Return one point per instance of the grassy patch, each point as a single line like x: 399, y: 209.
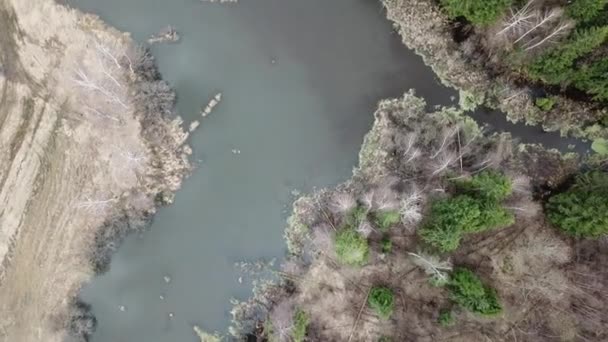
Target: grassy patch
x: 545, y: 103
x: 381, y: 300
x: 386, y: 219
x: 351, y: 248
x: 446, y: 319
x: 300, y: 324
x: 479, y: 12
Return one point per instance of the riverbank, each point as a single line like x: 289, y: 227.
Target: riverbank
x: 426, y: 29
x: 90, y: 146
x: 370, y: 236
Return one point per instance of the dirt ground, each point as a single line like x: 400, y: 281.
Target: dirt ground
x: 71, y: 155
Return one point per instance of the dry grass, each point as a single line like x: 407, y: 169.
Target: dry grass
x: 71, y: 157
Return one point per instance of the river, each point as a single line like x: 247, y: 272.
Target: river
x: 300, y: 81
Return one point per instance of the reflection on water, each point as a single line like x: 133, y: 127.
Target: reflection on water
x: 300, y: 79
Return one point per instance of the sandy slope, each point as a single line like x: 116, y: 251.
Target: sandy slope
x: 71, y: 153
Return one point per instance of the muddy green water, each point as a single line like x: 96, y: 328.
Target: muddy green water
x: 298, y: 124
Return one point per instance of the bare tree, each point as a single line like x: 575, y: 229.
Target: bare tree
x: 446, y: 158
x: 542, y: 18
x: 447, y: 134
x: 559, y: 31
x: 518, y: 19
x: 433, y: 266
x: 342, y: 202
x: 96, y: 206
x: 411, y: 209
x: 365, y: 228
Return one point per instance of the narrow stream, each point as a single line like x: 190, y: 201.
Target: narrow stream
x: 300, y: 79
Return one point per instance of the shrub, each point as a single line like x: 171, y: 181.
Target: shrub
x: 545, y: 103
x: 491, y: 185
x: 351, y: 248
x: 451, y: 218
x: 467, y: 290
x: 386, y: 219
x: 448, y: 220
x: 381, y: 300
x: 300, y: 324
x: 582, y: 211
x: 585, y: 10
x: 479, y: 12
x: 446, y: 319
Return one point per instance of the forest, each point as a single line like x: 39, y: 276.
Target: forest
x: 542, y: 62
x: 445, y: 232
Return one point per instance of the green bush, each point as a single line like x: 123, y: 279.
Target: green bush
x: 300, y: 324
x: 467, y: 290
x: 585, y: 10
x: 557, y: 65
x: 451, y: 218
x: 490, y: 185
x: 446, y: 319
x: 582, y: 211
x: 479, y: 12
x: 381, y: 300
x: 492, y: 216
x: 351, y: 248
x: 545, y: 103
x: 386, y: 219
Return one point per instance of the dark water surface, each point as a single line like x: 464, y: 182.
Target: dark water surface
x: 298, y: 123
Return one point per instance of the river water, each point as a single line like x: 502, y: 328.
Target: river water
x: 300, y: 81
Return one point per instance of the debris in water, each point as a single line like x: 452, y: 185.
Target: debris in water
x: 211, y: 104
x: 240, y: 280
x: 122, y: 308
x: 193, y: 125
x: 205, y: 336
x: 171, y: 315
x: 236, y: 151
x: 167, y: 279
x: 168, y: 34
x: 221, y: 1
x: 161, y: 297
